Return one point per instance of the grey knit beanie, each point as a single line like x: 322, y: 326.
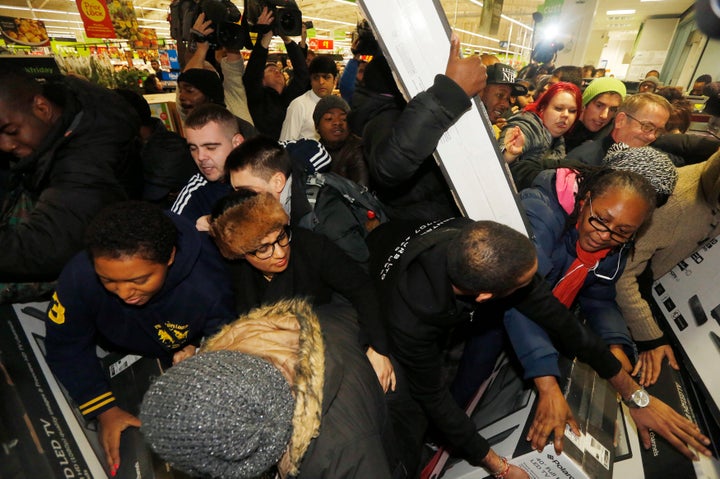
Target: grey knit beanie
x: 221, y: 414
x: 328, y: 103
x: 646, y: 161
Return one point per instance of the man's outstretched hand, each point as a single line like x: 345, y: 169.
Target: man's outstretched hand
x: 469, y: 73
x: 551, y: 415
x: 677, y: 430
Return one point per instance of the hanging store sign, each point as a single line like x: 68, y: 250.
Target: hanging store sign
x: 96, y: 18
x: 122, y: 14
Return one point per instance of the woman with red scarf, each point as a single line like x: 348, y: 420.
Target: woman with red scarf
x: 533, y: 139
x: 583, y: 226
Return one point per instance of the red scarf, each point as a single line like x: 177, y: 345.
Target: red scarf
x: 569, y: 285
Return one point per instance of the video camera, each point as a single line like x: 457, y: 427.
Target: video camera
x: 545, y: 51
x: 288, y: 18
x: 224, y: 16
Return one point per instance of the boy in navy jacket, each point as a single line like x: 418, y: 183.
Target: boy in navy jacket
x: 148, y: 284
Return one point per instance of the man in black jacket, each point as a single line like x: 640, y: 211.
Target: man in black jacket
x: 74, y: 152
x: 438, y: 276
x: 399, y: 139
x: 268, y: 96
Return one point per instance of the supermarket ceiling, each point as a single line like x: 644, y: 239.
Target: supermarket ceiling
x: 61, y: 17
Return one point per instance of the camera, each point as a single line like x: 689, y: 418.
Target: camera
x: 288, y: 18
x: 224, y: 16
x: 546, y: 50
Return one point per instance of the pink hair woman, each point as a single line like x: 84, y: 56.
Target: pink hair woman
x: 533, y: 140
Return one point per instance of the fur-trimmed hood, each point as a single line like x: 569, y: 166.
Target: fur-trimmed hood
x: 288, y: 335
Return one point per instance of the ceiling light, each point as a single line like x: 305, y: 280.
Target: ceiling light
x: 46, y: 20
x: 164, y: 10
x: 476, y: 35
x: 328, y: 20
x: 41, y: 10
x: 620, y: 12
x: 151, y: 20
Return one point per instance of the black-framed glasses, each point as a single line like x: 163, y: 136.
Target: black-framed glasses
x: 266, y: 250
x: 600, y: 226
x: 648, y: 127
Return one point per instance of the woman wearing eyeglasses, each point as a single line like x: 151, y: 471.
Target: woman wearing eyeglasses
x: 583, y: 225
x: 533, y: 139
x: 274, y: 262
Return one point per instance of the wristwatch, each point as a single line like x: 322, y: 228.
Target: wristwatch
x: 638, y: 399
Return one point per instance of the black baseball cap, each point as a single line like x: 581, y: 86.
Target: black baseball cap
x: 501, y: 74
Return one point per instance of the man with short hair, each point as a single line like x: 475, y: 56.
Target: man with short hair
x: 268, y: 96
x: 699, y: 84
x: 640, y: 119
x: 440, y: 276
x: 263, y: 165
x: 601, y: 100
x: 299, y: 118
x: 155, y: 65
x: 74, y: 152
x: 212, y: 132
x: 501, y: 86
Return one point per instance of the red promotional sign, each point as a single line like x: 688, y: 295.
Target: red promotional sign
x: 321, y: 43
x: 96, y: 18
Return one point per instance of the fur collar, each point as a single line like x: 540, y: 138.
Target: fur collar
x: 288, y: 335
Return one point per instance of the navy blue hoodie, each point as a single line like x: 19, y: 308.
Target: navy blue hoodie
x: 195, y: 301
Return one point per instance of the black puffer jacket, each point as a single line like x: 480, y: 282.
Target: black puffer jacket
x: 399, y: 144
x: 81, y: 166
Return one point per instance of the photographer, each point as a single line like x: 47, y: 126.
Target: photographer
x: 363, y: 43
x: 268, y: 96
x: 232, y: 66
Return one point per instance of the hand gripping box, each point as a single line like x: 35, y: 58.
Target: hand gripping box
x: 506, y: 408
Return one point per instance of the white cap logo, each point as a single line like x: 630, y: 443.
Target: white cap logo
x: 508, y: 75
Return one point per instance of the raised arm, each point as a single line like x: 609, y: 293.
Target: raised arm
x: 397, y: 147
